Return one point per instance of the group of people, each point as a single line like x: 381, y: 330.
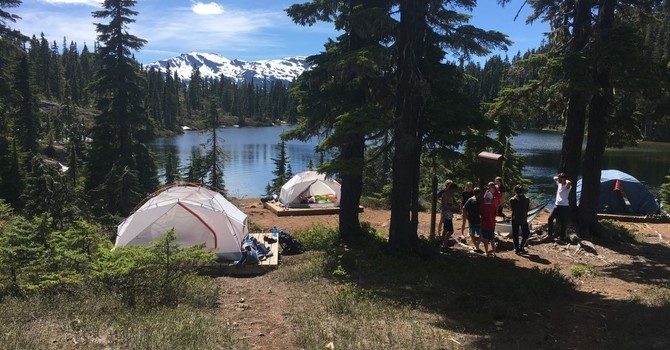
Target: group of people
x: 480, y: 208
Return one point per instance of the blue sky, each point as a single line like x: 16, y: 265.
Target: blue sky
x: 236, y: 29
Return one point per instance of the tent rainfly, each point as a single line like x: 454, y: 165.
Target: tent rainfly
x: 310, y: 183
x: 621, y: 193
x: 197, y: 214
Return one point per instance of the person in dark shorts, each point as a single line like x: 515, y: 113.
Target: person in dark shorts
x: 471, y: 213
x: 520, y: 204
x: 449, y: 207
x: 561, y: 205
x: 465, y: 195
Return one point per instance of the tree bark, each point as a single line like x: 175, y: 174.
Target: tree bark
x: 600, y: 109
x: 409, y: 108
x: 577, y: 69
x: 353, y: 152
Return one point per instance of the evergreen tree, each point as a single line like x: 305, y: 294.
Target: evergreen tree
x: 196, y: 171
x: 426, y: 29
x: 214, y: 154
x: 281, y: 162
x: 593, y: 45
x: 26, y: 120
x: 87, y: 64
x: 47, y: 192
x: 117, y: 157
x: 12, y: 179
x: 345, y: 96
x: 170, y: 101
x: 171, y: 166
x: 22, y: 253
x: 195, y: 91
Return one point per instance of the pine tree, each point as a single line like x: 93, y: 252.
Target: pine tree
x: 26, y: 120
x: 345, y: 95
x: 171, y: 166
x: 21, y: 254
x: 47, y: 192
x: 117, y: 157
x: 196, y: 169
x: 214, y: 154
x: 281, y: 163
x: 425, y: 86
x: 12, y: 179
x: 593, y: 45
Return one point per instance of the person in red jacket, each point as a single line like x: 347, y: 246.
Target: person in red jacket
x: 487, y: 213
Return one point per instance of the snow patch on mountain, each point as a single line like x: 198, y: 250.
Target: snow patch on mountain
x: 214, y: 66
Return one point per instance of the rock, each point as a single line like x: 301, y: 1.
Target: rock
x: 330, y: 345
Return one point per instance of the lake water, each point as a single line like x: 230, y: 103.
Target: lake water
x: 250, y: 151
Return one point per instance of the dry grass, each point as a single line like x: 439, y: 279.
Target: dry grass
x: 99, y: 321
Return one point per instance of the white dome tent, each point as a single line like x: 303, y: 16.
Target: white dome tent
x: 310, y: 183
x: 197, y: 214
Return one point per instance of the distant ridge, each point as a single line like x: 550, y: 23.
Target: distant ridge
x: 213, y: 66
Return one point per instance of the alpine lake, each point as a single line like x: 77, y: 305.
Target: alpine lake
x: 250, y: 152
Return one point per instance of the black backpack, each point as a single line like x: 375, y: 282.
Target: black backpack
x: 289, y: 245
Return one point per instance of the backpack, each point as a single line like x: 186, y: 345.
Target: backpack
x: 289, y: 245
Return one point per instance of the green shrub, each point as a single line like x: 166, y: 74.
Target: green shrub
x: 583, y: 271
x: 380, y: 203
x: 34, y: 259
x: 160, y: 274
x: 318, y: 237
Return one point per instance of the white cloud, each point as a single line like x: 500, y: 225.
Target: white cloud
x: 75, y: 26
x: 211, y: 8
x: 233, y: 30
x: 249, y: 33
x: 75, y: 2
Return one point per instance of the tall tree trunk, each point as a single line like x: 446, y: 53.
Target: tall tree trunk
x: 353, y: 155
x: 353, y: 152
x: 599, y: 112
x: 577, y: 69
x: 409, y: 108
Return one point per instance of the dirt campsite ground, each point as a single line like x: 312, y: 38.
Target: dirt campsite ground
x: 623, y: 270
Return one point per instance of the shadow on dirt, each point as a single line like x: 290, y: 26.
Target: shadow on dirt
x: 511, y: 307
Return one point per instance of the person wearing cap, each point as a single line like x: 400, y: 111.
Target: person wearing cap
x: 519, y: 204
x: 487, y: 215
x: 449, y: 206
x: 561, y: 205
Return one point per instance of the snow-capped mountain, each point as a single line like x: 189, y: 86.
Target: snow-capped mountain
x: 213, y: 66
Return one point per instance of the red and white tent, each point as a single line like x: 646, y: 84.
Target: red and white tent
x: 197, y: 214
